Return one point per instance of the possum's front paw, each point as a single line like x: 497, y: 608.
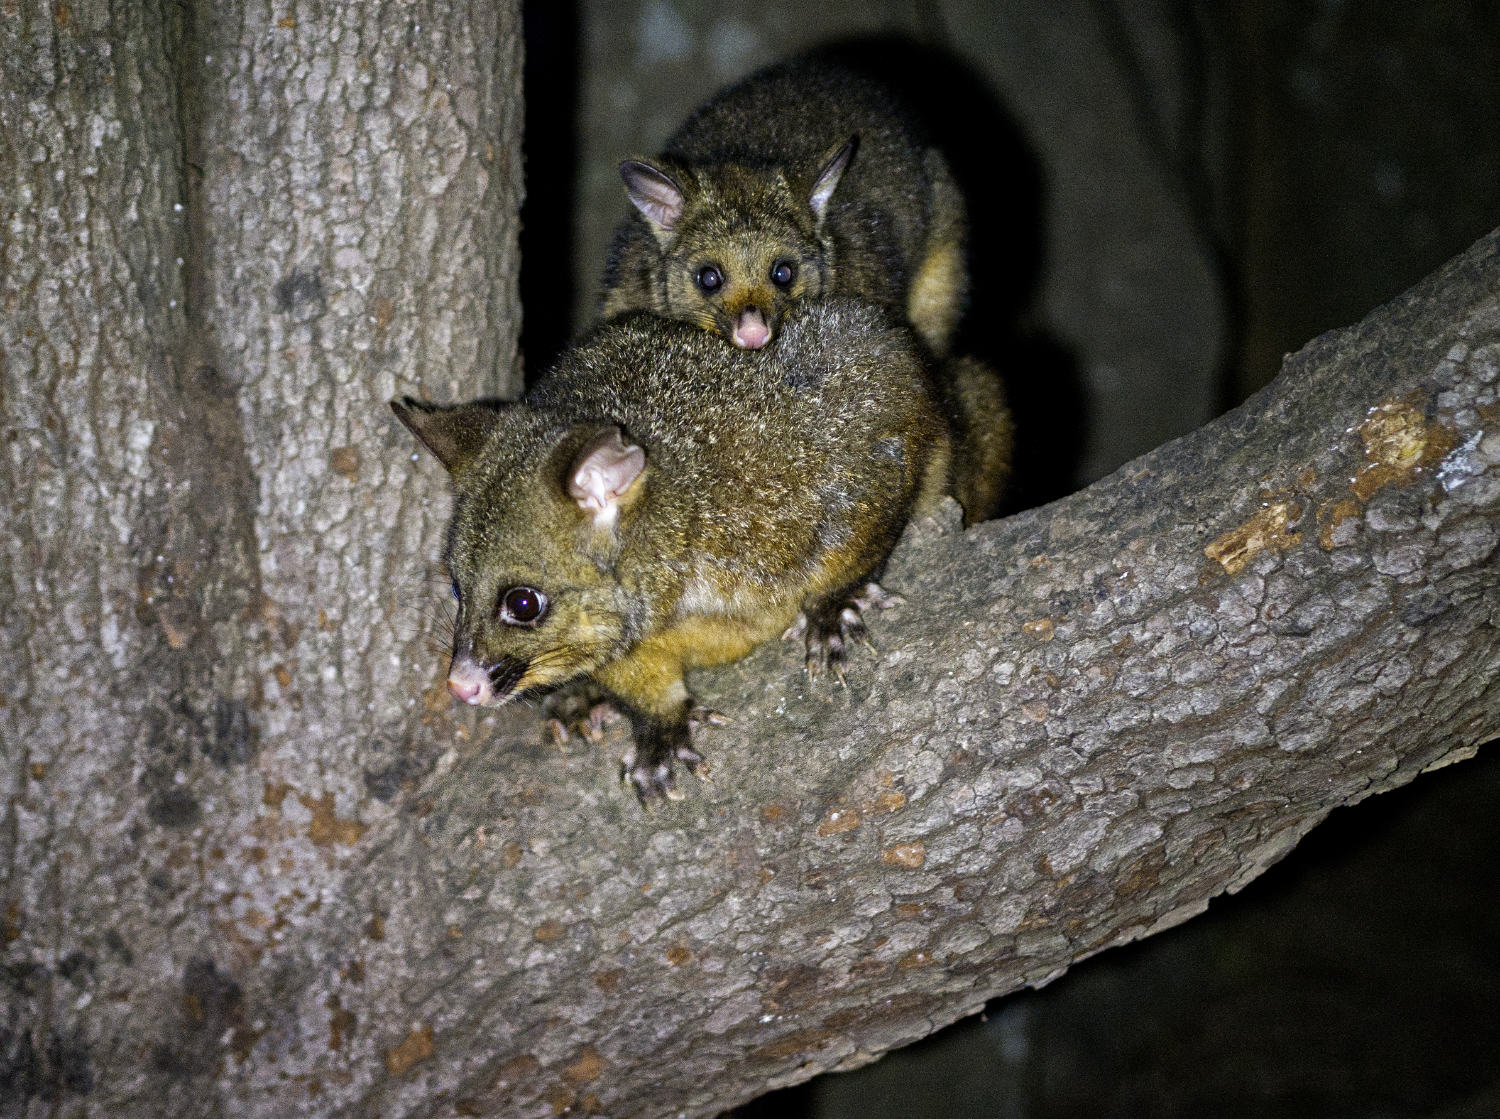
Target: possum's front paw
x: 647, y: 766
x: 580, y: 709
x: 829, y: 628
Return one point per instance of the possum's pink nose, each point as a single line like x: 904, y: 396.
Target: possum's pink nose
x: 751, y: 331
x: 469, y: 681
x: 466, y: 690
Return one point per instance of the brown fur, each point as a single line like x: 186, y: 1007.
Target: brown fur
x: 775, y: 482
x: 746, y: 165
x: 983, y: 436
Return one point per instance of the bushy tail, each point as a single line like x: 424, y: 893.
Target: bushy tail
x: 983, y: 435
x: 939, y: 290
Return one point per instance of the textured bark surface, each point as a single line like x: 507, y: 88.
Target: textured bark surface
x: 257, y: 864
x: 1087, y: 721
x: 228, y: 234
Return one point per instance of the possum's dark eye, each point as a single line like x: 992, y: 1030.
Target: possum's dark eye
x: 710, y: 278
x: 783, y: 273
x: 522, y: 606
x: 454, y: 588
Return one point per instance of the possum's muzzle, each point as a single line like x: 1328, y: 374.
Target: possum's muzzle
x: 751, y: 330
x: 484, y: 685
x: 503, y: 677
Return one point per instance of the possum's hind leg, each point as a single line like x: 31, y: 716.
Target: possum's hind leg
x: 829, y: 626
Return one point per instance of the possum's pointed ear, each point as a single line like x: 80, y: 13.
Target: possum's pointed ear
x: 829, y: 174
x: 454, y: 433
x: 604, y: 473
x: 655, y: 194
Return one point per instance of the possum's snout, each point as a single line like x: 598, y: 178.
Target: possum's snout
x: 482, y: 685
x: 751, y: 331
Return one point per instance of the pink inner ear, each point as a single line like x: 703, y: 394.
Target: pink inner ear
x: 604, y: 470
x: 653, y: 192
x: 828, y: 177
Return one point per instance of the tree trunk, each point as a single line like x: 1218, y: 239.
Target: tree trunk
x: 231, y: 233
x: 259, y: 864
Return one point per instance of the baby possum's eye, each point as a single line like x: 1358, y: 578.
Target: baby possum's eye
x: 710, y: 278
x: 454, y: 588
x: 522, y: 606
x: 783, y: 272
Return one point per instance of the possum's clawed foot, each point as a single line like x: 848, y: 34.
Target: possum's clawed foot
x: 829, y: 628
x: 580, y: 710
x: 651, y: 778
x: 874, y: 596
x: 700, y: 716
x: 600, y: 715
x: 647, y: 766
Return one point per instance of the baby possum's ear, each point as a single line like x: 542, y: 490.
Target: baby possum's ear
x: 455, y: 433
x: 829, y: 174
x: 604, y: 475
x: 655, y: 194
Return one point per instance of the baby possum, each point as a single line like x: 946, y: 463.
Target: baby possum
x: 804, y: 180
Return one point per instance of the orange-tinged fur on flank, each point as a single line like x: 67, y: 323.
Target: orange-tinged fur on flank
x: 938, y: 293
x: 983, y: 436
x: 651, y: 673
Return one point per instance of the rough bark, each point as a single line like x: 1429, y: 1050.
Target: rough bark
x: 237, y: 883
x: 230, y: 234
x: 1086, y: 722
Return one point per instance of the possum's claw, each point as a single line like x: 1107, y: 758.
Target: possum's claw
x: 873, y: 594
x: 580, y: 711
x: 700, y: 716
x: 648, y: 763
x: 650, y: 778
x: 696, y: 763
x: 829, y: 628
x: 600, y: 715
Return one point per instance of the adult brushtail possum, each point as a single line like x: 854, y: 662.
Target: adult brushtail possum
x: 804, y: 180
x: 661, y: 501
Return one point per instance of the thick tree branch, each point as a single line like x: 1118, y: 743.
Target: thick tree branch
x: 1086, y: 722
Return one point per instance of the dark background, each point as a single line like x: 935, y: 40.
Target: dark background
x: 1166, y: 198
